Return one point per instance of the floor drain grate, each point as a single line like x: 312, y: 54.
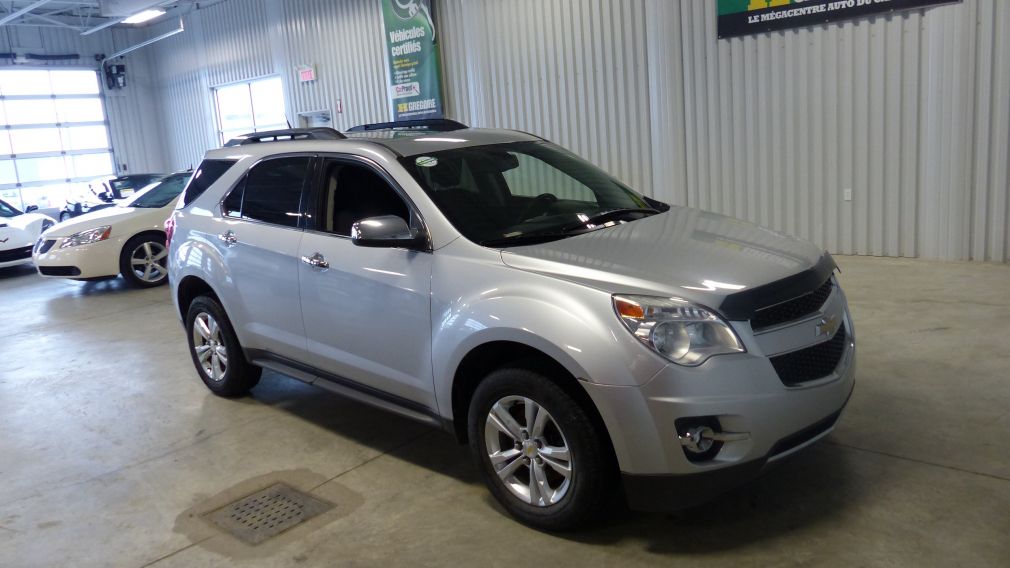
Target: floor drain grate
x: 267, y: 513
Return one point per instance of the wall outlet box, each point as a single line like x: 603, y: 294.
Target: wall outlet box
x: 847, y: 194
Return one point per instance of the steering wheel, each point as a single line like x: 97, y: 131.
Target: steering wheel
x: 538, y: 206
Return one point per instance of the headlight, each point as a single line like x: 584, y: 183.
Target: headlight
x: 87, y: 237
x: 684, y: 333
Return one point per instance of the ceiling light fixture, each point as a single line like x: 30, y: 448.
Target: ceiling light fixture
x: 146, y: 15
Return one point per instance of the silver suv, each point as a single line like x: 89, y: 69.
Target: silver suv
x: 579, y: 335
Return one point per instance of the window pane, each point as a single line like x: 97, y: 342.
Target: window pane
x: 74, y: 82
x: 31, y: 140
x: 7, y: 173
x: 208, y: 172
x: 24, y: 82
x: 91, y: 165
x: 357, y: 193
x: 34, y: 111
x: 45, y: 196
x: 5, y: 143
x: 266, y: 127
x: 229, y: 134
x: 232, y: 205
x: 274, y: 190
x: 85, y: 138
x: 268, y: 103
x: 41, y: 169
x: 79, y: 110
x: 235, y: 108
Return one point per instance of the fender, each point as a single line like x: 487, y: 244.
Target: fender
x: 571, y: 323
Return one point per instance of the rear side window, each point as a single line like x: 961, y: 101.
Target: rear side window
x: 209, y: 172
x: 271, y: 192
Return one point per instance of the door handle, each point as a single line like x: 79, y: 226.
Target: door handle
x: 228, y: 238
x: 316, y: 261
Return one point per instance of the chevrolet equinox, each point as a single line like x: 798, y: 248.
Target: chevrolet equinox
x: 581, y: 337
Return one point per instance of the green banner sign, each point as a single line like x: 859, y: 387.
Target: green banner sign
x: 412, y: 54
x: 743, y: 17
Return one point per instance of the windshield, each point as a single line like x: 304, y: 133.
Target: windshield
x: 7, y: 210
x: 511, y: 194
x: 160, y: 194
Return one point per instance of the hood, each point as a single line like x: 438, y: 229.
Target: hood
x: 107, y: 216
x: 22, y: 230
x: 699, y: 256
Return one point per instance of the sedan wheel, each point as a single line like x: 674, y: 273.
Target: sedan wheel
x: 150, y: 262
x: 528, y: 451
x: 209, y: 347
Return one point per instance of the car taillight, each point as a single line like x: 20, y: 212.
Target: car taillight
x: 169, y: 230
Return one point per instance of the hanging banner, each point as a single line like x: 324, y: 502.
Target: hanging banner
x: 412, y: 55
x: 743, y: 17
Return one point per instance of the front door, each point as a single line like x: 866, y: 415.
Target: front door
x: 366, y: 310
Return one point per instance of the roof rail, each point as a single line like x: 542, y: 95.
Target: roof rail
x: 433, y: 124
x: 289, y: 134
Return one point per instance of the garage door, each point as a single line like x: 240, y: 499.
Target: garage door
x: 54, y: 136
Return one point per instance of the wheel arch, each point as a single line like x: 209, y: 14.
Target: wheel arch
x: 490, y: 356
x: 190, y: 288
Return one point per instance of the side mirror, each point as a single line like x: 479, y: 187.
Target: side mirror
x: 31, y: 208
x: 387, y: 231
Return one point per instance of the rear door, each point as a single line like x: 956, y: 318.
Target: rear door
x: 259, y: 235
x: 367, y: 312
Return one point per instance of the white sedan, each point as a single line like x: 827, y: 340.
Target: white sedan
x: 128, y: 239
x: 18, y: 232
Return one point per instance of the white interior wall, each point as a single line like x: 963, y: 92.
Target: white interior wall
x: 911, y: 111
x: 134, y: 125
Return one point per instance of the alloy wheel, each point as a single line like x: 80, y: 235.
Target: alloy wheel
x: 528, y: 451
x: 209, y: 346
x: 149, y: 262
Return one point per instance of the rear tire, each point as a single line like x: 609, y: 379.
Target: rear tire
x: 539, y: 451
x: 216, y: 352
x: 143, y: 261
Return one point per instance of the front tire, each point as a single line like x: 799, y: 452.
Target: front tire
x: 216, y: 352
x: 64, y: 216
x: 539, y: 451
x: 143, y: 261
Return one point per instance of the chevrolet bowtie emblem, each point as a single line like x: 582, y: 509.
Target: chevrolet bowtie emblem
x: 4, y: 240
x: 828, y: 326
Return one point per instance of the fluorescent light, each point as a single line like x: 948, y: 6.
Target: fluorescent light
x: 141, y: 17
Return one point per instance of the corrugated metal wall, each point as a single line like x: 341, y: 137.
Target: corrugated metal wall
x: 132, y: 112
x: 344, y: 40
x: 909, y: 111
x: 239, y: 40
x: 575, y: 72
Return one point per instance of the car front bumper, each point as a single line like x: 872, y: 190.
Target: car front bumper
x: 95, y: 260
x: 740, y: 394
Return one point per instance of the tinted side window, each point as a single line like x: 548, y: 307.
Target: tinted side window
x: 209, y: 172
x: 273, y: 191
x: 353, y: 193
x: 232, y: 205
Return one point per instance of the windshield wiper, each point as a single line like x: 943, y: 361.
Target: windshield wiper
x: 604, y: 216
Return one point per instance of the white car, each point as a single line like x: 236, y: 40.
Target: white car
x: 128, y: 239
x: 18, y: 232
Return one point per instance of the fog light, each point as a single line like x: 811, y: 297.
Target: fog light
x: 701, y: 437
x: 698, y: 440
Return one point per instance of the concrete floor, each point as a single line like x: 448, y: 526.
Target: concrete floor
x: 111, y: 448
